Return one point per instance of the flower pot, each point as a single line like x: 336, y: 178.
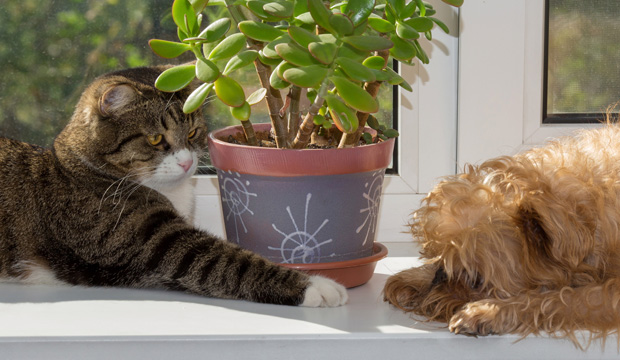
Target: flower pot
x: 300, y: 206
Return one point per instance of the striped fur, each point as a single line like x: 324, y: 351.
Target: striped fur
x: 102, y: 208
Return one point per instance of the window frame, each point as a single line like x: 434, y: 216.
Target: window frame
x: 501, y: 74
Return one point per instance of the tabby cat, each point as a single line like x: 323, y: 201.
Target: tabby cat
x: 110, y: 205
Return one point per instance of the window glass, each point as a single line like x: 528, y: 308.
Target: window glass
x: 583, y: 59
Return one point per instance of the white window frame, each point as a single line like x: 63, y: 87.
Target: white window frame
x: 427, y: 144
x: 501, y: 80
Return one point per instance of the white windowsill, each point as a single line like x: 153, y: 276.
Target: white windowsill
x: 40, y: 322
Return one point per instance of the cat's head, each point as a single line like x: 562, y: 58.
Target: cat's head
x: 124, y: 126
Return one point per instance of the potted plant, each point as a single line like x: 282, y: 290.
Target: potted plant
x: 319, y: 204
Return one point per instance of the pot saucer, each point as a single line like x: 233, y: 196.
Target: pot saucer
x: 349, y: 273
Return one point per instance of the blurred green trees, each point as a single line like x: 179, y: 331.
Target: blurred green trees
x: 583, y: 66
x: 49, y: 50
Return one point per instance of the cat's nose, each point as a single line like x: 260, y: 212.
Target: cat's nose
x: 186, y: 164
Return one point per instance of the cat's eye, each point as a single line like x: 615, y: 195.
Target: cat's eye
x: 191, y: 134
x: 155, y: 139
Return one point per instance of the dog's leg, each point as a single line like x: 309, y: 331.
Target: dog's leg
x: 594, y: 307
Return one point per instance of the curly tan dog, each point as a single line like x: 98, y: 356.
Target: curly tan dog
x: 523, y: 244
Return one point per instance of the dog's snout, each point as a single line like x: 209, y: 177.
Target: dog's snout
x: 440, y: 277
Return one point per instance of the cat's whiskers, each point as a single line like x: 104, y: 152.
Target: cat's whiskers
x: 122, y: 185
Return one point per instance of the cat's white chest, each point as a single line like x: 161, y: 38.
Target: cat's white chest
x: 181, y: 197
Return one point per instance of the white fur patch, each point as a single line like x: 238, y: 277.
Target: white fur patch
x: 174, y: 181
x: 323, y: 292
x: 35, y: 274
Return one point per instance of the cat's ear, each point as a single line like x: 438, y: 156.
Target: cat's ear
x: 116, y: 98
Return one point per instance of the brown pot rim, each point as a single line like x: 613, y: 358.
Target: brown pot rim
x: 289, y: 162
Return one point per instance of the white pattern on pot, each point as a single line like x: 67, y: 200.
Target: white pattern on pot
x: 237, y: 198
x: 300, y: 245
x: 373, y: 197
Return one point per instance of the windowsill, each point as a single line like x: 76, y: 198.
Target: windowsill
x: 90, y: 323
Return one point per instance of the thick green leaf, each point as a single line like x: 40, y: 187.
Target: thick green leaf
x: 242, y: 112
x: 302, y: 36
x: 320, y: 14
x: 359, y: 10
x: 372, y: 122
x: 184, y: 17
x: 328, y: 38
x: 229, y: 91
x: 228, y: 47
x: 442, y: 25
x: 368, y: 43
x: 323, y: 52
x: 277, y: 82
x: 352, y: 53
x: 405, y: 31
x: 319, y: 119
x: 216, y: 30
x: 295, y: 54
x: 367, y: 138
x: 257, y: 96
x: 197, y: 98
x: 381, y: 75
x: 281, y: 10
x: 182, y: 36
x: 381, y: 25
x: 207, y: 71
x: 305, y: 18
x: 259, y: 31
x: 403, y: 50
x: 393, y: 77
x: 405, y: 85
x: 420, y: 24
x: 256, y: 7
x: 408, y: 11
x: 307, y: 76
x: 270, y: 49
x: 280, y: 69
x: 176, y: 78
x: 240, y: 60
x: 341, y: 24
x: 343, y: 116
x: 398, y: 5
x: 456, y: 3
x: 391, y: 133
x: 374, y: 62
x: 268, y: 61
x: 354, y: 95
x: 198, y: 5
x: 168, y: 49
x: 356, y: 70
x: 421, y: 54
x: 421, y: 6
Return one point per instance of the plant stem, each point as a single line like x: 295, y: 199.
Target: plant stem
x: 293, y: 113
x: 307, y: 126
x: 273, y: 98
x: 274, y: 104
x: 250, y: 135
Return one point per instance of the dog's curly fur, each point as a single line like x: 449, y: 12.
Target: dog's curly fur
x: 523, y: 244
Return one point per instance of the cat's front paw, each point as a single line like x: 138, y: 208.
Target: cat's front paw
x: 322, y: 292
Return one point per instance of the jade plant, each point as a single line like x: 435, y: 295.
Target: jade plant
x: 334, y: 53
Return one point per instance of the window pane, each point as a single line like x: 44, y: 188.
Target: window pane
x: 583, y: 59
x: 46, y: 66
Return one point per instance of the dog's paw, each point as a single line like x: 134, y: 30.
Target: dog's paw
x: 322, y: 292
x: 476, y: 319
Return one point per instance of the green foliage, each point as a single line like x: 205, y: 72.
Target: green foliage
x: 339, y: 59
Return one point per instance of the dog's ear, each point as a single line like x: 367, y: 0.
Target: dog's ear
x: 537, y: 241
